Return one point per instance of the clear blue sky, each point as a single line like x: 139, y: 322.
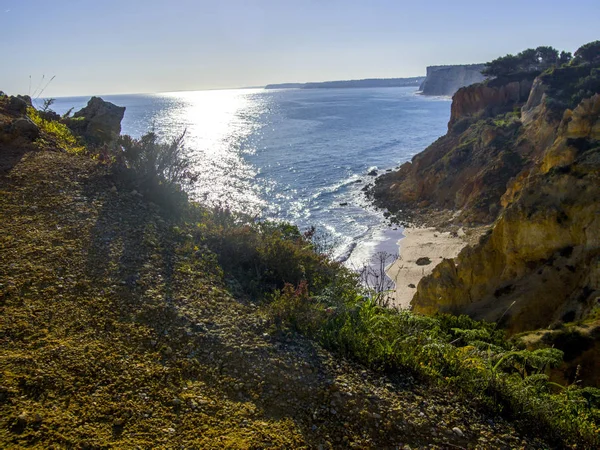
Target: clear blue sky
x: 126, y: 46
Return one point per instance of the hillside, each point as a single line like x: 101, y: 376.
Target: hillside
x: 522, y: 156
x: 119, y: 328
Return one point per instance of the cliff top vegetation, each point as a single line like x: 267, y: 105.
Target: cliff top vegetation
x: 540, y: 59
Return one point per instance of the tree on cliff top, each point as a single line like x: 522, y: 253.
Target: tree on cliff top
x: 527, y: 61
x: 589, y: 52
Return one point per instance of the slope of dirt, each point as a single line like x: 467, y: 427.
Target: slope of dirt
x: 117, y: 331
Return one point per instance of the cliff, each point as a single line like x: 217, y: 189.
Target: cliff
x: 467, y: 169
x: 540, y: 264
x: 446, y: 80
x: 522, y: 155
x: 490, y: 99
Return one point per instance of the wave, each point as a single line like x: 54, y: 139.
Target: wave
x: 347, y: 253
x: 352, y: 179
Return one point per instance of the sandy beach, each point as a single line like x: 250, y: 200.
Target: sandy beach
x: 420, y: 251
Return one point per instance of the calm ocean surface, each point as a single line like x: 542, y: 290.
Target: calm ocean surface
x: 293, y: 155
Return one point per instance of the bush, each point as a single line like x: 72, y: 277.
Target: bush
x: 570, y: 84
x: 159, y: 169
x: 157, y: 162
x: 473, y: 357
x: 263, y: 256
x: 58, y: 132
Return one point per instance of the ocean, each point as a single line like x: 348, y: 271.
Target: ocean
x: 300, y: 156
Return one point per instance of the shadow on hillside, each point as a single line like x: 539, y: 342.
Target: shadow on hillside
x: 126, y: 252
x: 285, y: 377
x: 292, y: 378
x: 10, y: 156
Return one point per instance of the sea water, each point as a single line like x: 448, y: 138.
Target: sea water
x: 297, y: 155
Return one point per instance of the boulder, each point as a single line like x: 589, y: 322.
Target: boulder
x: 17, y: 105
x: 25, y: 128
x: 26, y: 99
x: 99, y: 122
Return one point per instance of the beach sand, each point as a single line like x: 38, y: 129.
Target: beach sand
x: 420, y: 243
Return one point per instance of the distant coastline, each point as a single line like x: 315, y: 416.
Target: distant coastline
x: 368, y: 82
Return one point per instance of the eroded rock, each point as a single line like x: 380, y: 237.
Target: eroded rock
x: 99, y: 122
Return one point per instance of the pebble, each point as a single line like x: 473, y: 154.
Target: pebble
x: 458, y: 432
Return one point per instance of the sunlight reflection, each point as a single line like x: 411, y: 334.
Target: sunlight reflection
x: 218, y: 125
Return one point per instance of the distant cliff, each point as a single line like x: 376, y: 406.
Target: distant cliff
x: 369, y: 82
x: 446, y: 80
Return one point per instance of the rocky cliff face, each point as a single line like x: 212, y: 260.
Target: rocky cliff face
x: 488, y: 99
x: 446, y: 80
x: 468, y: 169
x: 540, y: 265
x: 522, y: 155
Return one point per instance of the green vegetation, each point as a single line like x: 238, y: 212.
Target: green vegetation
x: 589, y: 53
x: 570, y: 84
x: 264, y: 256
x: 570, y: 79
x: 154, y: 162
x: 507, y: 120
x: 529, y: 60
x: 471, y: 356
x: 60, y: 135
x: 160, y: 170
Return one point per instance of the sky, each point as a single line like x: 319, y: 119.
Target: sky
x: 143, y: 46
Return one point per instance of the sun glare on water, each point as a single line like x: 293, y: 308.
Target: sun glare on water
x: 218, y: 125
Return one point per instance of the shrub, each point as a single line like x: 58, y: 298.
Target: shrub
x: 473, y: 357
x: 570, y: 84
x: 263, y: 256
x: 58, y: 132
x: 157, y: 162
x: 159, y: 169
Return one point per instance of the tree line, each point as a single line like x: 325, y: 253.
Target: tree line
x: 540, y: 59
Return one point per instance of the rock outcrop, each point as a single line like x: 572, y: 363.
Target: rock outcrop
x: 467, y: 169
x: 99, y: 122
x: 488, y: 99
x: 24, y: 127
x: 540, y: 265
x: 446, y: 80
